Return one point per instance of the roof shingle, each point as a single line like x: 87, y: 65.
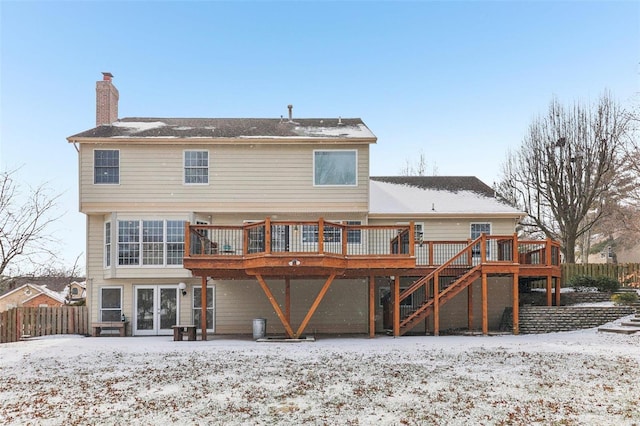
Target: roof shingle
x: 149, y: 127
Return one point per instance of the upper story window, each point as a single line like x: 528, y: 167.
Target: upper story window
x: 196, y: 167
x: 335, y: 168
x: 106, y: 166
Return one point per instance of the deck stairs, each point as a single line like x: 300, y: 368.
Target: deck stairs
x: 448, y: 280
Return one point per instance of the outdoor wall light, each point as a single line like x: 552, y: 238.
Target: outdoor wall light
x: 183, y: 288
x: 294, y: 262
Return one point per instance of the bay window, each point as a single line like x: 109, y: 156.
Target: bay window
x: 150, y: 242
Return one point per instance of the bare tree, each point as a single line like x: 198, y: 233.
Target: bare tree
x: 25, y: 219
x: 418, y: 166
x: 568, y: 169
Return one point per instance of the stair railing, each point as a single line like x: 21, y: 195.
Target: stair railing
x: 442, y: 279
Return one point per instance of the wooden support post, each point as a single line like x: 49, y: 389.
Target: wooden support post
x: 516, y: 304
x: 276, y: 307
x: 372, y: 306
x: 557, y: 280
x: 470, y: 306
x: 345, y: 239
x: 187, y: 239
x: 267, y: 235
x: 396, y: 306
x: 412, y: 239
x: 203, y: 307
x: 436, y: 304
x: 549, y: 287
x: 320, y: 235
x: 315, y: 305
x: 287, y: 299
x: 245, y: 239
x: 485, y: 306
x: 483, y: 248
x: 431, y: 245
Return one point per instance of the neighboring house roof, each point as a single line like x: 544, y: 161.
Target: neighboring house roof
x: 232, y: 128
x: 46, y: 292
x: 53, y: 283
x: 435, y: 195
x: 33, y: 290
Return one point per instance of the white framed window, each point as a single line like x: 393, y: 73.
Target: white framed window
x: 418, y: 232
x: 197, y: 304
x: 335, y: 167
x: 128, y: 242
x: 110, y: 303
x: 196, y: 167
x: 106, y: 166
x: 478, y: 229
x: 354, y: 236
x: 107, y: 244
x: 332, y: 234
x: 175, y: 242
x: 150, y: 242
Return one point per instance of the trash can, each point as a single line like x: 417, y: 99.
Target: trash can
x: 259, y: 328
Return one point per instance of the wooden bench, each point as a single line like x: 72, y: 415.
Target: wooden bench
x: 97, y: 327
x: 179, y: 331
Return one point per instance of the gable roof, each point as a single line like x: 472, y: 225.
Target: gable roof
x: 54, y: 283
x: 440, y: 183
x: 230, y: 128
x: 46, y: 292
x: 436, y: 196
x: 38, y: 290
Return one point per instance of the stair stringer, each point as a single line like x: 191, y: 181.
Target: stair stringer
x: 444, y: 296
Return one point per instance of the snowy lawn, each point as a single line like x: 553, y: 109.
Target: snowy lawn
x: 582, y: 377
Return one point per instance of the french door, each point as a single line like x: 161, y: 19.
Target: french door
x: 156, y: 309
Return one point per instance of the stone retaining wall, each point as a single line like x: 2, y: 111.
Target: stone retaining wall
x: 549, y: 319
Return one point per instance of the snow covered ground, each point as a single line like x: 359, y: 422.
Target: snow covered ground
x: 582, y: 377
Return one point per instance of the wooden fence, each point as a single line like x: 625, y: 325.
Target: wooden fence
x: 19, y: 323
x: 627, y: 274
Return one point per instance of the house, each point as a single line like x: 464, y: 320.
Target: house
x: 220, y: 222
x: 30, y: 296
x: 75, y: 292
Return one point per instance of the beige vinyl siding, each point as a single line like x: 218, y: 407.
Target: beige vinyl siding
x: 245, y: 177
x: 453, y: 229
x: 344, y: 308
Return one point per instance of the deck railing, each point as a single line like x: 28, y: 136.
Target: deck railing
x: 312, y: 237
x: 324, y: 237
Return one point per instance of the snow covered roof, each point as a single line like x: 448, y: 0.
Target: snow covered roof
x: 220, y: 128
x: 37, y: 290
x: 435, y: 195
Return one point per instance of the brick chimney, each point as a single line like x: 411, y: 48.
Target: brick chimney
x: 106, y: 100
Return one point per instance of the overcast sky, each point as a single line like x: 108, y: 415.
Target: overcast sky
x: 459, y: 81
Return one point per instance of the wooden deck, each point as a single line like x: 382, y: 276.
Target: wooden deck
x: 328, y: 250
